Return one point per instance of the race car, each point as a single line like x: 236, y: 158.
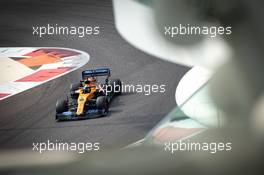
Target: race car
x: 89, y: 97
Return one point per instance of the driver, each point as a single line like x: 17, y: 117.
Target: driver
x: 90, y: 81
x: 86, y: 89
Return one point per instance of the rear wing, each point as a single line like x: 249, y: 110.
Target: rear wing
x: 96, y: 72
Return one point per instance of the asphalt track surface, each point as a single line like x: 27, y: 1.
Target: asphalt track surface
x: 29, y: 116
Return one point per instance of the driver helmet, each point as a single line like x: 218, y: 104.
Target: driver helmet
x: 91, y: 79
x: 86, y: 89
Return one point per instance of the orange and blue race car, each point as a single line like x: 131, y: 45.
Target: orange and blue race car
x: 89, y: 97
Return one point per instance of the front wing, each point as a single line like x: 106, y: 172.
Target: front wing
x: 69, y: 115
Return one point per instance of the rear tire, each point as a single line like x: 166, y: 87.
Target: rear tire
x: 102, y: 104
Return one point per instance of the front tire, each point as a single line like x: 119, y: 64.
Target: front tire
x: 61, y: 106
x: 102, y: 104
